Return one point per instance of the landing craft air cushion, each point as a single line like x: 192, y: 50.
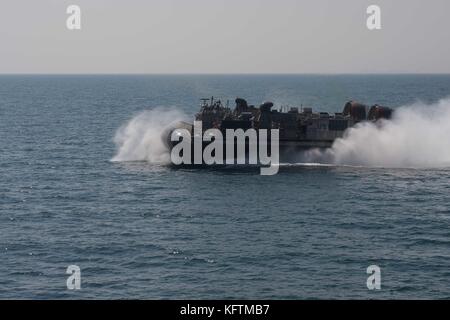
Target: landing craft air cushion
x: 299, y: 129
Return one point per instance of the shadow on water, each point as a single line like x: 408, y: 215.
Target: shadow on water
x: 284, y: 168
x: 145, y: 167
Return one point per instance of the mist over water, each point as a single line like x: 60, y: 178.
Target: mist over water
x: 418, y: 135
x: 140, y: 139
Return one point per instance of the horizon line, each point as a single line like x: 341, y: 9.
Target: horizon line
x: 217, y: 74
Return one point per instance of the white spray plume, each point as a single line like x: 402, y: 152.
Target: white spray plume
x: 417, y: 136
x: 140, y: 139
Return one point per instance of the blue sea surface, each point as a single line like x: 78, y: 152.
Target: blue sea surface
x: 150, y: 231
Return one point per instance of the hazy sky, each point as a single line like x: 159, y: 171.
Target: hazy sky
x: 224, y: 36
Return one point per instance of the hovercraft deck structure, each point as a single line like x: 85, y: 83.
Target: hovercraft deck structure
x: 299, y: 128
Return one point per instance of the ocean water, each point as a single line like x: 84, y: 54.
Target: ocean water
x: 141, y: 229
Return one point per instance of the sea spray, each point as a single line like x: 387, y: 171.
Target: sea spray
x: 140, y: 138
x: 417, y: 136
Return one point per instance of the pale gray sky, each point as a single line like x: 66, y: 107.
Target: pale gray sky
x: 224, y: 36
